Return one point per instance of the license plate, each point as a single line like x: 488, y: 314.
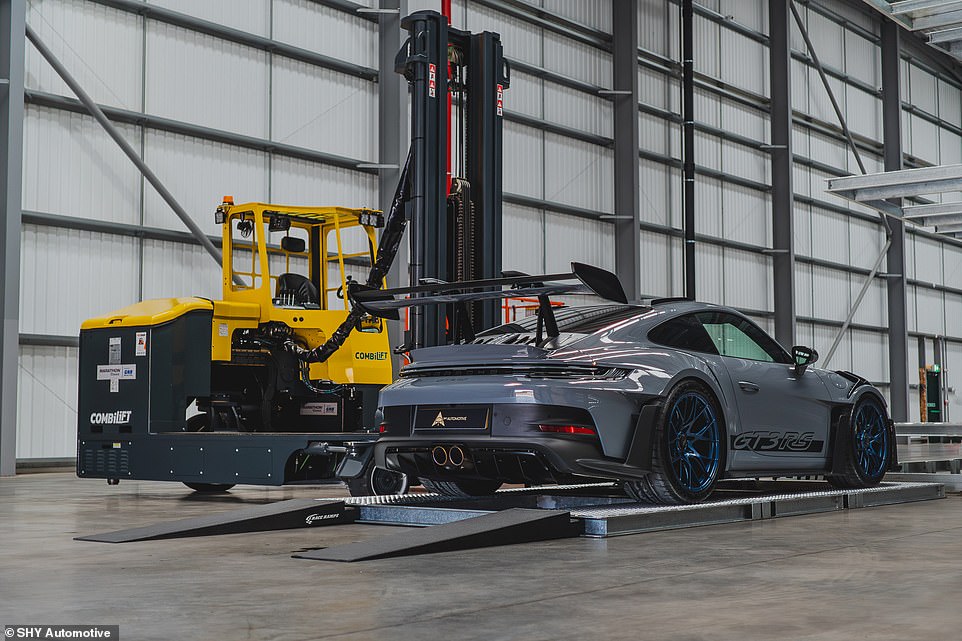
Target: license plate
x: 452, y: 417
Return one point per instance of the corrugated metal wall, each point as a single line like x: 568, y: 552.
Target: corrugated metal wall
x: 558, y: 160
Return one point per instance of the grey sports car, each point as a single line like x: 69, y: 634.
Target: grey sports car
x: 667, y: 397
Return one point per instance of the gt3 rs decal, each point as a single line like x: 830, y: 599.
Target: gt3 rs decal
x: 760, y: 441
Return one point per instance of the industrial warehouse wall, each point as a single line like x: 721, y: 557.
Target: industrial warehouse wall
x: 558, y: 162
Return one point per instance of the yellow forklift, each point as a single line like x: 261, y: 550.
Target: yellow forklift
x: 270, y: 385
x: 277, y: 382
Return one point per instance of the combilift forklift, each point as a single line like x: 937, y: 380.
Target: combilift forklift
x: 277, y: 383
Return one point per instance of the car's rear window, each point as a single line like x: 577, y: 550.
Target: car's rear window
x: 572, y: 320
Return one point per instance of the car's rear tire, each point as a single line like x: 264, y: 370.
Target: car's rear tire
x: 464, y: 489
x: 689, y: 450
x: 868, y: 451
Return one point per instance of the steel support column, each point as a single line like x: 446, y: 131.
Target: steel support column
x: 12, y: 45
x: 627, y: 189
x: 688, y: 140
x: 783, y: 248
x: 892, y: 139
x: 392, y: 137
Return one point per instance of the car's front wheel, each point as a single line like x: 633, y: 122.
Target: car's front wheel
x: 465, y: 489
x: 688, y: 456
x: 865, y: 458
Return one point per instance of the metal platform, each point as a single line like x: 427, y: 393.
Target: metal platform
x: 606, y: 511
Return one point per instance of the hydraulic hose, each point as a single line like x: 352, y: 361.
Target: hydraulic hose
x: 387, y: 249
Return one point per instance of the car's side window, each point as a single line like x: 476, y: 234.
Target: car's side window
x: 683, y: 332
x: 739, y: 338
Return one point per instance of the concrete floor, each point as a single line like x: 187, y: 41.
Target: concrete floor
x: 879, y: 573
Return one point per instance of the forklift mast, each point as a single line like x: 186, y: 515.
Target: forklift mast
x: 455, y: 236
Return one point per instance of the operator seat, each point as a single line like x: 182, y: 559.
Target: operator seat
x: 297, y: 290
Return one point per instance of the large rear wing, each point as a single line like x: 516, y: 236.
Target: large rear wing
x: 583, y: 279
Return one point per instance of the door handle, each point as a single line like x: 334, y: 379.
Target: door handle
x: 748, y: 386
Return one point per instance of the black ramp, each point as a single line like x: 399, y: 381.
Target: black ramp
x: 281, y: 515
x: 517, y: 525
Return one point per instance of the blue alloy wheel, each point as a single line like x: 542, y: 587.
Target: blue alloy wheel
x: 871, y: 440
x: 694, y: 442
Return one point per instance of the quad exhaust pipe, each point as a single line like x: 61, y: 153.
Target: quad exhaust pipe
x: 443, y: 456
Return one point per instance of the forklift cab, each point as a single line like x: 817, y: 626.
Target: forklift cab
x: 294, y: 258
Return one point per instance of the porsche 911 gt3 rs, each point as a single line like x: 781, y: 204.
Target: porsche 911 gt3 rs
x: 667, y: 397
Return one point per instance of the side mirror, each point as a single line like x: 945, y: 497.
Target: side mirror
x: 803, y: 357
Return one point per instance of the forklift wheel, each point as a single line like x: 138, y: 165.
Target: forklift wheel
x: 377, y: 482
x: 209, y: 488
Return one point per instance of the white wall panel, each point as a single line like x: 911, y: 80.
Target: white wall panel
x: 654, y: 185
x: 207, y: 81
x: 950, y: 103
x: 710, y: 272
x: 577, y: 60
x: 748, y: 280
x: 525, y: 95
x: 747, y: 215
x: 522, y: 237
x: 522, y: 160
x: 521, y: 40
x: 570, y: 238
x: 656, y: 265
x: 652, y: 134
x: 592, y: 13
x: 804, y: 290
x: 576, y: 109
x: 705, y: 44
x: 71, y: 167
x: 708, y: 207
x: 923, y: 90
x: 823, y: 339
x: 750, y: 14
x: 925, y: 139
x: 253, y: 16
x: 178, y: 269
x: 829, y: 236
x: 578, y: 173
x: 87, y: 38
x: 866, y: 241
x: 803, y: 229
x: 652, y: 88
x: 68, y: 276
x: 744, y: 62
x: 323, y: 110
x: 200, y: 173
x: 873, y: 310
x: 47, y: 402
x: 652, y: 30
x: 327, y: 31
x: 833, y: 298
x: 930, y: 311
x: 865, y: 113
x: 745, y: 162
x: 928, y: 260
x: 744, y: 121
x: 862, y: 59
x: 869, y: 353
x: 301, y: 182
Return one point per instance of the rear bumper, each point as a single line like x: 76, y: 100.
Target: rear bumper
x: 510, y: 460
